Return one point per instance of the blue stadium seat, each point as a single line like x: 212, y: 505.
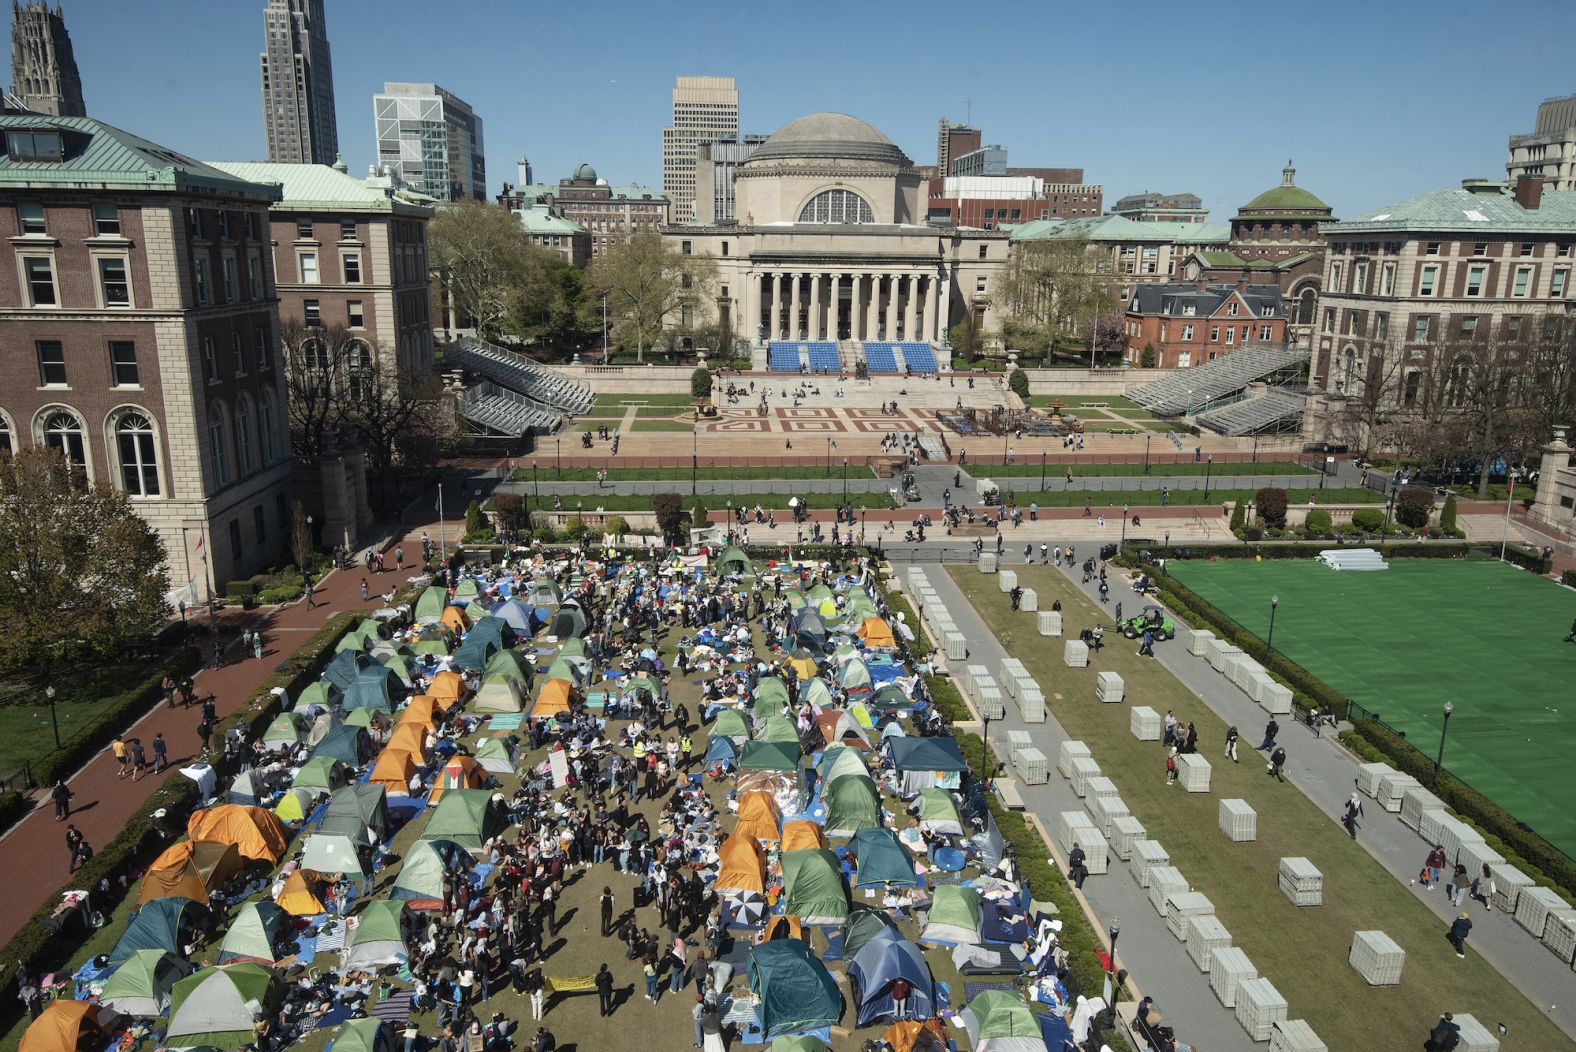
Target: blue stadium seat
x: 879, y: 358
x: 782, y: 357
x: 918, y: 357
x: 823, y: 356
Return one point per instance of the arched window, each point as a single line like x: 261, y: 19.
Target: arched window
x: 63, y: 431
x: 1307, y: 300
x: 139, y: 459
x: 837, y: 206
x: 7, y: 442
x: 218, y: 447
x: 243, y: 436
x: 265, y: 422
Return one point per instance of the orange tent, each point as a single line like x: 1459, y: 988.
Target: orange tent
x: 461, y: 772
x: 66, y: 1026
x: 916, y: 1035
x: 189, y: 870
x: 783, y: 926
x: 743, y: 865
x: 408, y: 737
x: 876, y: 633
x: 552, y: 699
x: 256, y: 832
x: 446, y: 688
x: 802, y: 834
x: 420, y: 710
x: 393, y: 771
x: 303, y: 893
x: 454, y: 619
x: 758, y: 815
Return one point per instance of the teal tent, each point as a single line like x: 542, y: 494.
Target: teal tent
x: 348, y: 744
x: 163, y: 924
x: 419, y: 882
x: 475, y: 652
x: 777, y: 729
x: 882, y: 860
x: 838, y: 761
x: 816, y: 692
x: 360, y: 812
x: 321, y: 773
x: 813, y: 888
x: 510, y: 665
x: 465, y: 816
x: 794, y: 991
x: 852, y: 803
x: 730, y: 723
x: 862, y: 924
x: 345, y: 667
x: 319, y: 692
x: 769, y: 756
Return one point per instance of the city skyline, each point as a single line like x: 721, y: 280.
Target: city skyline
x: 1361, y: 136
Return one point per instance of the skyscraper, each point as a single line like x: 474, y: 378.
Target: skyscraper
x: 298, y: 84
x: 431, y: 139
x: 705, y: 109
x: 43, y: 68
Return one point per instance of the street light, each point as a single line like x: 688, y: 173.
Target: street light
x: 558, y: 444
x: 49, y: 693
x: 1439, y: 759
x: 1209, y: 465
x: 1123, y: 542
x: 1270, y: 642
x: 985, y: 763
x: 845, y: 480
x: 1147, y: 436
x: 536, y: 483
x: 1042, y: 471
x: 1114, y: 931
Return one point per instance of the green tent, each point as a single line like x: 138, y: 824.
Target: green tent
x: 217, y: 1006
x: 510, y: 664
x: 320, y: 772
x: 563, y: 668
x: 544, y: 591
x: 938, y: 812
x: 288, y: 728
x: 734, y: 561
x: 863, y: 924
x: 853, y: 675
x: 882, y: 860
x: 852, y: 803
x: 891, y: 696
x: 813, y: 886
x: 359, y: 718
x: 795, y: 599
x: 498, y: 756
x: 400, y: 666
x: 794, y: 991
x: 419, y: 882
x: 770, y: 691
x: 465, y: 816
x: 955, y: 915
x: 163, y: 924
x: 769, y: 756
x: 475, y: 652
x: 363, y: 1035
x: 354, y: 640
x: 730, y: 723
x: 838, y: 761
x: 499, y: 692
x: 644, y: 682
x: 435, y: 647
x: 819, y: 594
x: 845, y: 653
x: 254, y: 934
x: 816, y: 692
x: 345, y: 667
x: 775, y: 728
x: 333, y: 853
x: 360, y: 812
x: 1001, y: 1014
x: 142, y: 986
x: 319, y: 692
x: 430, y: 603
x: 575, y: 646
x: 467, y: 588
x: 379, y: 937
x: 858, y: 604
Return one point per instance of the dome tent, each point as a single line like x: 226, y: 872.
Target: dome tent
x: 770, y: 692
x: 838, y: 761
x: 743, y: 865
x: 430, y: 604
x: 882, y: 860
x: 862, y: 924
x: 876, y: 634
x: 256, y: 832
x: 794, y: 989
x: 937, y: 812
x: 254, y: 934
x: 287, y: 729
x: 499, y: 693
x: 759, y: 816
x: 568, y: 621
x: 303, y: 893
x: 190, y: 869
x: 955, y: 916
x: 333, y: 853
x: 801, y: 834
x: 730, y: 723
x: 350, y: 745
x: 320, y: 692
x: 734, y: 561
x: 143, y: 984
x: 852, y: 803
x: 813, y: 886
x: 1000, y: 1021
x: 885, y: 959
x: 775, y: 728
x: 769, y: 756
x: 393, y: 771
x: 217, y: 1006
x: 364, y: 1035
x: 163, y: 924
x: 380, y: 935
x: 419, y: 882
x: 360, y: 812
x: 465, y: 816
x: 498, y: 756
x: 459, y: 772
x: 509, y: 663
x: 720, y: 749
x: 320, y: 772
x: 66, y: 1026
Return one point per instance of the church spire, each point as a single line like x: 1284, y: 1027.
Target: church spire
x: 1288, y: 174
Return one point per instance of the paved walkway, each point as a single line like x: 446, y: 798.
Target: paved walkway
x: 102, y: 804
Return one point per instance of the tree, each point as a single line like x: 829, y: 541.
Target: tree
x: 482, y: 255
x: 80, y: 571
x: 1148, y: 359
x: 300, y: 537
x: 1271, y: 502
x: 1447, y: 517
x: 1318, y: 522
x: 1018, y: 383
x: 650, y: 287
x: 1239, y: 515
x: 548, y: 304
x: 392, y: 408
x: 475, y: 521
x: 967, y: 337
x: 1367, y: 394
x: 510, y: 511
x: 700, y: 383
x: 1055, y: 290
x: 1413, y: 506
x: 315, y: 362
x: 669, y: 510
x: 617, y: 526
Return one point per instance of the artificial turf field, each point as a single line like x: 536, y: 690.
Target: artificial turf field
x: 1482, y: 635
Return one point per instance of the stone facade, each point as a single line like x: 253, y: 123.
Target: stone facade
x: 43, y: 65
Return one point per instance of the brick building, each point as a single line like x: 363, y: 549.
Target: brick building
x: 610, y: 214
x: 1190, y: 324
x: 139, y: 337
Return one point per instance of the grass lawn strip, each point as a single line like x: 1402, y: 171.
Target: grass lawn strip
x: 616, y: 401
x: 1116, y: 496
x: 1302, y: 951
x: 716, y: 502
x: 1078, y: 401
x: 659, y: 425
x: 682, y: 474
x: 1058, y: 468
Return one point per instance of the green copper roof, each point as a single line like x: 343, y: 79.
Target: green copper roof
x: 539, y: 219
x: 1285, y: 198
x: 1120, y: 228
x: 98, y: 155
x: 1463, y: 211
x: 322, y: 187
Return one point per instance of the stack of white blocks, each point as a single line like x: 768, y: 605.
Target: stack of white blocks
x: 1198, y: 642
x: 1193, y: 772
x: 1072, y: 749
x: 1377, y: 958
x: 1238, y: 821
x: 1300, y: 881
x: 1229, y: 968
x: 1124, y: 833
x: 1017, y: 740
x: 1083, y: 768
x: 1108, y: 687
x: 1205, y: 935
x: 1106, y: 810
x: 1164, y: 883
x: 1559, y: 935
x: 1415, y: 804
x: 1148, y: 856
x: 1259, y: 1007
x: 1368, y: 775
x: 1007, y: 580
x: 1183, y: 906
x: 1393, y: 788
x: 1050, y: 623
x: 1533, y: 908
x: 1074, y: 829
x: 1144, y: 722
x: 1276, y: 699
x: 1295, y: 1035
x: 1029, y: 601
x: 987, y: 562
x: 1032, y: 765
x: 1075, y: 653
x: 1475, y: 1037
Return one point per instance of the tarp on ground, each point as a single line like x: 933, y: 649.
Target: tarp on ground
x: 333, y: 853
x: 552, y: 699
x: 142, y: 985
x: 254, y: 934
x: 742, y: 865
x: 785, y: 787
x: 734, y: 561
x: 348, y: 744
x: 794, y: 991
x: 509, y: 663
x: 775, y: 728
x: 360, y: 812
x: 1000, y: 1021
x: 189, y: 869
x: 380, y: 935
x: 256, y: 832
x: 393, y: 771
x: 217, y: 1006
x: 499, y: 693
x: 163, y: 924
x: 498, y: 756
x: 446, y: 688
x: 862, y: 924
x: 465, y: 816
x: 875, y: 633
x: 770, y: 756
x: 419, y: 882
x: 430, y: 604
x: 880, y: 963
x: 69, y: 1026
x: 758, y: 816
x: 458, y: 772
x: 364, y: 1035
x: 770, y: 694
x: 937, y: 812
x: 955, y: 916
x: 321, y: 773
x: 303, y: 893
x: 852, y: 803
x: 731, y: 723
x: 883, y: 862
x: 800, y: 834
x: 813, y: 886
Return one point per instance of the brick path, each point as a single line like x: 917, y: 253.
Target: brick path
x: 103, y: 804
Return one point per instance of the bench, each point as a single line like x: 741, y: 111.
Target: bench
x: 627, y: 402
x: 1007, y: 789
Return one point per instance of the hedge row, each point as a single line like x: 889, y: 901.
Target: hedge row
x: 1568, y: 578
x: 142, y: 839
x: 13, y: 805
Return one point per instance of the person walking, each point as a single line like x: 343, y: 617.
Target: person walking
x: 257, y: 644
x: 536, y: 986
x: 1432, y: 865
x: 73, y: 845
x: 1456, y: 886
x: 1271, y: 729
x: 1351, y: 813
x: 204, y: 732
x: 1231, y: 743
x: 1277, y: 762
x: 1459, y: 930
x: 139, y: 760
x: 118, y: 747
x: 1077, y: 866
x: 366, y: 592
x: 648, y: 966
x: 161, y: 753
x: 607, y: 911
x: 311, y: 604
x: 1483, y: 888
x: 604, y: 991
x: 61, y: 796
x: 1171, y: 766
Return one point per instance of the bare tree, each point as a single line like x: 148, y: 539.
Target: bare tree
x: 315, y: 359
x: 1055, y: 290
x: 1369, y: 398
x: 481, y: 252
x: 385, y: 401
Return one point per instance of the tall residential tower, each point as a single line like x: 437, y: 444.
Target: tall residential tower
x: 43, y: 68
x: 432, y: 140
x: 705, y: 109
x: 298, y: 84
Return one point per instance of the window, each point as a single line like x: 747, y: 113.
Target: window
x: 1360, y: 277
x: 237, y: 354
x: 1351, y: 322
x: 1189, y: 310
x: 837, y: 206
x: 1523, y: 281
x: 230, y: 288
x: 216, y: 447
x: 303, y: 228
x: 123, y: 363
x: 308, y: 261
x: 352, y: 269
x: 1420, y: 327
x: 40, y: 271
x: 347, y: 230
x: 254, y: 277
x: 251, y: 225
x: 1410, y: 387
x: 1184, y: 359
x: 979, y: 285
x: 63, y: 431
x: 27, y: 145
x: 1475, y: 277
x: 113, y: 285
x: 1387, y: 280
x: 265, y: 427
x: 235, y: 539
x: 194, y: 223
x: 243, y: 436
x: 1265, y: 332
x: 1425, y: 287
x: 1513, y: 328
x: 313, y: 312
x: 30, y: 217
x: 260, y: 343
x: 724, y: 246
x: 201, y: 271
x: 139, y: 462
x: 1525, y: 249
x: 1480, y: 248
x: 1231, y: 335
x: 51, y: 363
x: 1381, y: 326
x: 7, y: 443
x: 1214, y: 334
x: 1433, y: 248
x: 1469, y: 325
x: 1329, y: 319
x: 686, y: 247
x: 354, y: 317
x: 106, y: 220
x: 1335, y: 276
x: 210, y: 360
x: 1187, y: 332
x: 224, y: 226
x: 984, y: 251
x: 259, y: 530
x: 1557, y: 283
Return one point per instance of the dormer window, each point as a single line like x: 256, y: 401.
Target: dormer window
x: 1231, y: 309
x: 34, y: 145
x: 1189, y: 310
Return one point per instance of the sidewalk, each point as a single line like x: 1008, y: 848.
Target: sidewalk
x: 102, y: 804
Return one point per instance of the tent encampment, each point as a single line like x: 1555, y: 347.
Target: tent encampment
x: 759, y: 816
x: 303, y: 893
x: 854, y: 677
x: 937, y: 812
x: 793, y: 989
x: 742, y: 865
x: 876, y: 634
x: 882, y: 860
x: 734, y: 561
x: 420, y: 710
x: 393, y: 771
x: 217, y: 1006
x: 430, y: 604
x: 321, y: 773
x: 364, y: 1035
x: 498, y: 755
x: 499, y: 693
x: 360, y: 812
x: 1000, y: 1021
x: 544, y: 591
x: 852, y: 803
x: 256, y: 832
x: 769, y: 756
x: 465, y: 816
x: 862, y: 924
x: 419, y: 882
x: 509, y: 663
x: 731, y: 723
x: 254, y: 934
x: 374, y: 688
x: 249, y: 788
x: 917, y: 760
x: 345, y: 666
x: 568, y: 621
x: 474, y: 653
x: 881, y: 962
x: 776, y: 728
x: 142, y: 985
x: 287, y: 729
x: 334, y: 853
x: 838, y: 761
x: 189, y: 869
x: 458, y: 772
x: 516, y: 615
x: 813, y: 886
x: 67, y: 1026
x: 955, y: 916
x: 163, y: 924
x: 380, y: 935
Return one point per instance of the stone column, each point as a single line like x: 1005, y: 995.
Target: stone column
x: 910, y: 306
x: 940, y: 311
x: 872, y: 294
x: 815, y: 307
x: 891, y: 307
x: 793, y: 308
x: 775, y: 300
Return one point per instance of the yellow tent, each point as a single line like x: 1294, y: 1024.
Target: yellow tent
x: 454, y: 619
x: 552, y: 699
x: 256, y: 832
x: 758, y: 815
x: 393, y: 771
x: 914, y: 1035
x: 446, y: 688
x: 408, y: 737
x: 189, y: 870
x: 876, y: 633
x: 783, y: 926
x: 420, y: 710
x: 302, y: 895
x: 743, y: 865
x: 802, y: 834
x: 803, y: 667
x: 461, y: 772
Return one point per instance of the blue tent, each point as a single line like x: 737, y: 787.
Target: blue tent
x: 373, y: 689
x: 475, y: 652
x: 163, y: 924
x: 516, y: 615
x: 886, y: 958
x: 796, y: 993
x: 882, y: 861
x: 492, y: 627
x: 720, y: 749
x: 346, y: 666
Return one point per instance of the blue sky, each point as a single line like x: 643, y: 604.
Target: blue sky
x: 1374, y: 101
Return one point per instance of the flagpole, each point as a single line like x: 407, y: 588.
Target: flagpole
x: 442, y: 549
x: 1510, y: 493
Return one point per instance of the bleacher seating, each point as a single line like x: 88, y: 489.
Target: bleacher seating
x: 782, y: 357
x: 501, y: 411
x: 879, y: 358
x: 1192, y: 389
x: 517, y: 373
x: 1274, y: 411
x: 824, y: 357
x: 918, y: 357
x: 791, y: 356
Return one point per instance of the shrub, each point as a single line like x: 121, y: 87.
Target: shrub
x: 617, y: 526
x: 1018, y: 383
x: 1369, y: 520
x: 509, y: 508
x: 13, y: 805
x: 1253, y: 533
x: 1447, y: 516
x: 1414, y: 506
x: 1568, y: 578
x: 699, y: 516
x: 1239, y: 516
x: 1271, y: 502
x: 575, y: 530
x: 475, y: 521
x: 669, y: 510
x: 700, y: 383
x: 1148, y: 358
x: 1318, y: 522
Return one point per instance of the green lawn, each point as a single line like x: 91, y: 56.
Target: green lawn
x: 1031, y: 466
x: 761, y: 474
x: 1482, y: 635
x: 661, y: 425
x: 1302, y: 951
x: 1075, y: 401
x: 615, y: 401
x: 1103, y: 425
x: 82, y: 695
x: 1139, y: 498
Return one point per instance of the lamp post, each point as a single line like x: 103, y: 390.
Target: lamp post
x: 536, y: 483
x: 49, y: 693
x: 1209, y: 466
x: 1439, y: 759
x: 1270, y: 642
x: 1113, y: 931
x: 558, y: 445
x: 985, y: 763
x: 1147, y: 436
x: 1123, y: 542
x: 694, y: 457
x: 1042, y: 471
x: 1389, y: 505
x: 845, y: 480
